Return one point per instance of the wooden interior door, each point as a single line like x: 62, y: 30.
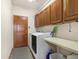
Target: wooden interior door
x: 20, y: 31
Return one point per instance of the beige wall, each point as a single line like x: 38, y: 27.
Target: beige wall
x: 6, y: 29
x: 63, y: 30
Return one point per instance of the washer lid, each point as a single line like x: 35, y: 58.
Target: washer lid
x: 40, y: 33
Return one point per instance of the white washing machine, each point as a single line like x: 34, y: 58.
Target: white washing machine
x: 38, y: 46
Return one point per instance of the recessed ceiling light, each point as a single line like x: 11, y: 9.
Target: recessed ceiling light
x: 30, y: 0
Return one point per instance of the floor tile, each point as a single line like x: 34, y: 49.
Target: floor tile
x: 21, y: 53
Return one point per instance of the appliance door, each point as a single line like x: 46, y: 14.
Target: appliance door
x: 34, y: 43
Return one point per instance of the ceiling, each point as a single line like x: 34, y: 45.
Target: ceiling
x: 31, y: 5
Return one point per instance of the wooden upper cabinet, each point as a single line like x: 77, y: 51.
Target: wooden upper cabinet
x: 41, y: 19
x: 70, y: 9
x: 59, y: 11
x: 56, y: 11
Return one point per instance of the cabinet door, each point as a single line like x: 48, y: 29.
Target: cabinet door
x: 59, y: 9
x: 37, y: 21
x: 68, y: 10
x: 53, y: 12
x: 47, y: 16
x: 41, y: 19
x: 76, y: 8
x: 56, y: 12
x: 44, y: 18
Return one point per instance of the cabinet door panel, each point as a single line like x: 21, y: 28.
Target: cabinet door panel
x: 40, y: 22
x: 42, y: 19
x: 56, y: 12
x: 53, y: 12
x: 76, y: 6
x: 47, y: 16
x: 59, y: 10
x: 69, y: 8
x: 76, y: 9
x: 37, y: 21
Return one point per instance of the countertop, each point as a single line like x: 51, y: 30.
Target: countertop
x: 64, y: 43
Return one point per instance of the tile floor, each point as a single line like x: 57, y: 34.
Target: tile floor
x: 21, y: 53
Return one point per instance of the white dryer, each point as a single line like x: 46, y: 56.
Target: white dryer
x: 38, y: 46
